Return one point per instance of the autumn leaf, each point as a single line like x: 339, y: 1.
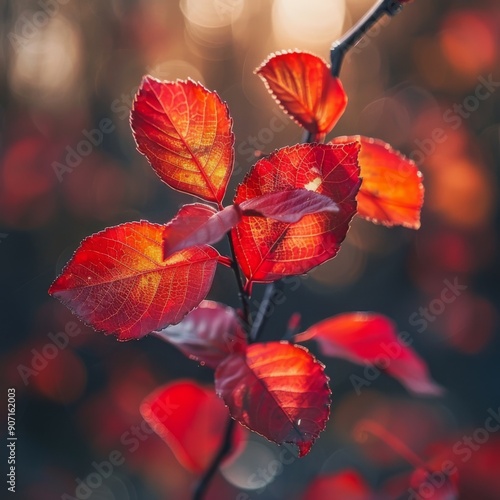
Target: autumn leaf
x: 369, y: 338
x: 347, y: 484
x: 185, y: 132
x: 392, y: 192
x: 444, y: 487
x: 268, y: 250
x: 278, y: 390
x: 118, y: 282
x: 208, y: 334
x: 288, y: 206
x: 303, y: 86
x: 191, y: 419
x: 198, y: 224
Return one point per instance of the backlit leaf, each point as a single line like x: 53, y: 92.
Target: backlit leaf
x: 392, y: 192
x: 191, y: 419
x: 369, y: 338
x: 288, y: 206
x: 208, y: 334
x: 302, y: 84
x: 278, y: 390
x: 118, y: 282
x: 268, y: 250
x: 185, y: 132
x: 198, y: 224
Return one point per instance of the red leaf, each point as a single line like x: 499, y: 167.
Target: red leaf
x: 185, y: 132
x: 368, y: 338
x: 208, y: 334
x: 442, y: 487
x: 392, y: 192
x: 268, y: 250
x: 191, y: 419
x: 278, y: 390
x: 347, y: 484
x: 118, y: 282
x: 303, y: 86
x: 288, y: 206
x: 198, y: 224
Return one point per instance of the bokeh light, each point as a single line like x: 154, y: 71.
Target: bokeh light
x: 54, y: 49
x: 308, y: 24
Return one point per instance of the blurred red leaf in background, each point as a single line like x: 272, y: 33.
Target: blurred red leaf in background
x: 191, y: 419
x: 347, y: 484
x: 369, y: 338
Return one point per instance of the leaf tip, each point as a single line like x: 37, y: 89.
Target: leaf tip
x: 304, y: 448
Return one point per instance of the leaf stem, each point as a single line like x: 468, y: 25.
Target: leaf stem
x: 225, y: 448
x: 308, y: 137
x: 241, y: 289
x: 341, y: 47
x: 262, y: 316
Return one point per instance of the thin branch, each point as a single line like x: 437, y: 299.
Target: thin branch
x: 225, y: 448
x: 262, y: 314
x: 341, y: 47
x: 337, y: 53
x: 241, y: 289
x: 271, y: 288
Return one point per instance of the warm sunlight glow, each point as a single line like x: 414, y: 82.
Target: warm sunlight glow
x: 310, y: 23
x: 216, y: 14
x: 52, y: 50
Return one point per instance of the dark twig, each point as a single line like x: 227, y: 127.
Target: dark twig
x: 262, y: 313
x: 241, y: 289
x: 340, y: 47
x: 337, y: 53
x: 271, y: 288
x: 210, y: 472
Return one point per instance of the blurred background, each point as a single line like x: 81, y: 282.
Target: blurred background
x: 426, y: 83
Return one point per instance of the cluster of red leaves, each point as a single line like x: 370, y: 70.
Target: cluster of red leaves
x: 290, y: 214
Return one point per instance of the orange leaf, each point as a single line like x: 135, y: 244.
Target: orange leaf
x: 278, y: 390
x: 118, y: 282
x: 267, y: 249
x: 369, y: 338
x: 185, y: 132
x: 303, y: 86
x: 191, y: 419
x: 208, y: 334
x: 392, y: 192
